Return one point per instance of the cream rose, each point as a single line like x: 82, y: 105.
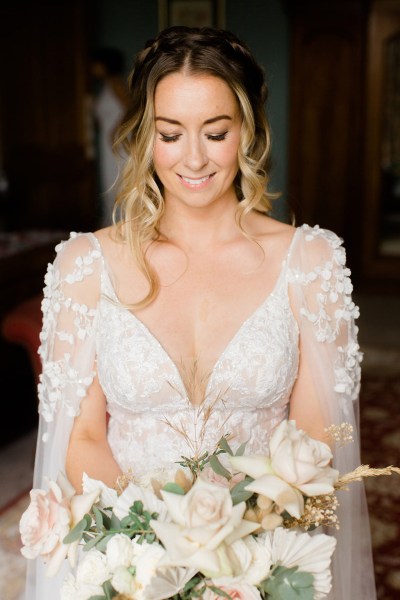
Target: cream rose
x: 49, y: 518
x: 297, y: 465
x: 202, y: 520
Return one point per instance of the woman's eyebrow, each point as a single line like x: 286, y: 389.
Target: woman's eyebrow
x: 207, y: 122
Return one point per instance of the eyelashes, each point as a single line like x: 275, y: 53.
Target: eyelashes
x: 215, y: 137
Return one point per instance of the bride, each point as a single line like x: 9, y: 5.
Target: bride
x: 194, y: 271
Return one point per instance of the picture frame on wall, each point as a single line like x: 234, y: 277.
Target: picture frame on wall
x: 191, y: 13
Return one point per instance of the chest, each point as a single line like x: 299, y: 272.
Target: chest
x: 256, y: 366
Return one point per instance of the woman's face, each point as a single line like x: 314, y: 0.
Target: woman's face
x: 198, y: 123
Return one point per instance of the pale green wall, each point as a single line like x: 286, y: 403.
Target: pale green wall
x: 262, y: 24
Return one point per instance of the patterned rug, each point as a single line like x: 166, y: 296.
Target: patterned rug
x: 380, y: 441
x: 12, y: 563
x: 380, y: 434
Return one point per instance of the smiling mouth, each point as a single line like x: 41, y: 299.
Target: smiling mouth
x: 196, y: 182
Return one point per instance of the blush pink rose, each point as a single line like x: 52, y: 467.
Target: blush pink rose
x: 236, y: 590
x: 49, y: 518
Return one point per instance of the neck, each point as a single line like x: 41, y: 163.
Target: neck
x: 199, y: 228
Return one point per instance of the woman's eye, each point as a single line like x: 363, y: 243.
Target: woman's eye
x: 217, y: 137
x: 168, y: 138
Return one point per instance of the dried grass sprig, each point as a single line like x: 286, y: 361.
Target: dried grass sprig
x: 363, y: 471
x: 198, y: 398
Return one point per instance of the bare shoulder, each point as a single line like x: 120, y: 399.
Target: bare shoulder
x: 110, y: 244
x: 270, y: 232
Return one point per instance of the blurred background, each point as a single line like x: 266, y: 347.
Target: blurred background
x: 333, y: 70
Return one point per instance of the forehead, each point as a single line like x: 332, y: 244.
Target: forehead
x: 194, y: 94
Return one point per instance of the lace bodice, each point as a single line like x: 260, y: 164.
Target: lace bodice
x: 152, y: 421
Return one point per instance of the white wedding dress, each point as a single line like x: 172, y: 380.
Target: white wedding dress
x: 152, y: 423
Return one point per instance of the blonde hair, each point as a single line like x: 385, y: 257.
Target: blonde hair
x: 139, y: 203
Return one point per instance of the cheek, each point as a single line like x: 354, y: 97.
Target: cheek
x: 164, y: 155
x: 227, y: 154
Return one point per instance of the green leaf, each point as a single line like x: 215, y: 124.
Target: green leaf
x: 98, y: 517
x: 137, y: 507
x: 76, y: 533
x: 218, y: 468
x: 223, y: 443
x: 97, y: 598
x: 102, y: 544
x: 219, y: 592
x: 126, y: 522
x: 241, y: 449
x: 239, y: 494
x: 115, y: 522
x: 109, y: 590
x: 289, y: 584
x: 93, y: 542
x: 174, y: 488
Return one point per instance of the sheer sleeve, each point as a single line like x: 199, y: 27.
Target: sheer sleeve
x: 67, y: 352
x: 321, y: 290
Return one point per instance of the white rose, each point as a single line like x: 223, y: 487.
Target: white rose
x: 119, y: 551
x: 123, y: 582
x: 147, y: 561
x: 301, y: 460
x: 203, y: 519
x: 297, y: 465
x: 93, y: 568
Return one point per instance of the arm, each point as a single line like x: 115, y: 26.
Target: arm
x: 72, y: 426
x: 327, y: 389
x: 88, y: 449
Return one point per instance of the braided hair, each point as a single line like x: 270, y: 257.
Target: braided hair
x: 194, y: 51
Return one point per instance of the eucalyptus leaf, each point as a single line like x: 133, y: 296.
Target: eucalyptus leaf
x: 93, y: 542
x: 218, y: 468
x: 76, y: 533
x: 223, y: 443
x: 109, y: 590
x: 174, y: 488
x: 115, y: 522
x: 137, y: 507
x: 239, y: 493
x: 102, y: 544
x: 126, y: 521
x: 218, y: 592
x: 241, y: 449
x: 98, y: 517
x: 97, y: 598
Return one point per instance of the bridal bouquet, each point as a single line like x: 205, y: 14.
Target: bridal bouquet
x: 228, y: 526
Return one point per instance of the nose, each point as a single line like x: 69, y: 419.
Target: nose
x: 195, y: 157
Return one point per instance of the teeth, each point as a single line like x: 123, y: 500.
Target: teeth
x: 195, y: 181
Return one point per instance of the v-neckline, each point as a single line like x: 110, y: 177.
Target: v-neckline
x: 154, y: 339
